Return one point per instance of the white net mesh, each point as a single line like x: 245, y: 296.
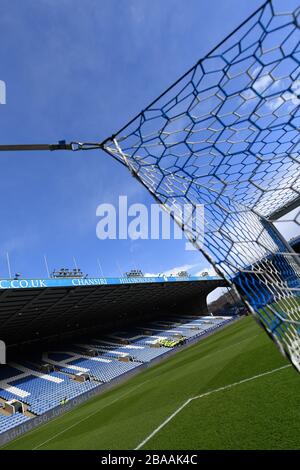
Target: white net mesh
x: 226, y: 135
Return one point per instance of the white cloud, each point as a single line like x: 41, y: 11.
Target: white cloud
x: 174, y: 271
x: 262, y: 83
x: 210, y: 270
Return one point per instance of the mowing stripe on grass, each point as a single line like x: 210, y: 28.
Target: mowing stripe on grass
x: 125, y: 394
x: 88, y: 416
x: 233, y: 345
x: 197, y: 397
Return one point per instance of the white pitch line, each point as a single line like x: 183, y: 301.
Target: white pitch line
x: 92, y: 414
x: 88, y: 416
x: 226, y: 387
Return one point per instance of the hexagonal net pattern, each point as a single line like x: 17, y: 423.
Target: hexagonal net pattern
x: 226, y: 135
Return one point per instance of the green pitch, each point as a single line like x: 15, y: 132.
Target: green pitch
x: 260, y: 413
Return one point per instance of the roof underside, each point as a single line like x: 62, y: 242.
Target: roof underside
x: 37, y: 313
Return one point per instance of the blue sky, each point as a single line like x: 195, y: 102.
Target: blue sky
x: 79, y: 70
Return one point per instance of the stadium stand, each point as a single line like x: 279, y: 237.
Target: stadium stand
x: 138, y: 353
x: 104, y: 369
x: 9, y: 422
x: 56, y: 355
x: 100, y: 360
x: 33, y: 309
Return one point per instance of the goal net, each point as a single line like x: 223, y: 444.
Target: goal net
x: 226, y: 135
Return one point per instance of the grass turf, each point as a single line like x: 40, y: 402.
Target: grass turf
x: 260, y: 414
